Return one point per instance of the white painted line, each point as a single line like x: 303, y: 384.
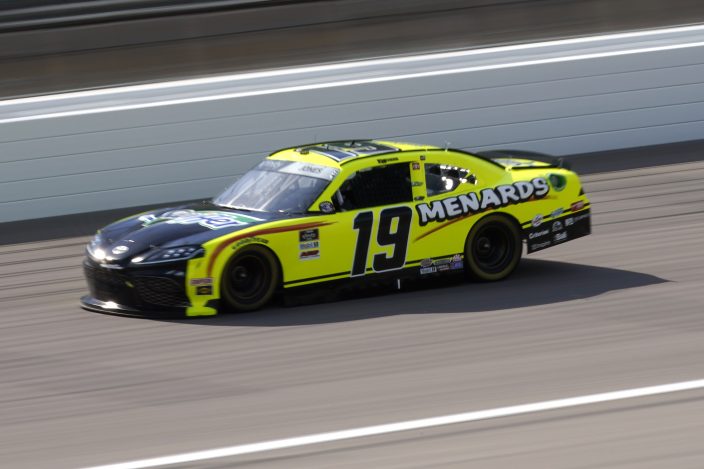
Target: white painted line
x: 353, y: 64
x: 407, y: 425
x: 360, y: 81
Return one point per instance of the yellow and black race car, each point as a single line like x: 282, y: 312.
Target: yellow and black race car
x: 331, y: 212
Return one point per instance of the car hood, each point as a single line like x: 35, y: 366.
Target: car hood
x: 189, y: 225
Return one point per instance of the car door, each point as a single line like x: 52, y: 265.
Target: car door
x: 373, y: 221
x: 442, y: 224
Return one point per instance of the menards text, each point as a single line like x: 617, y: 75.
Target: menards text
x: 473, y: 202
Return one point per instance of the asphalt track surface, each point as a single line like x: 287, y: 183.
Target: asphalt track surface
x: 620, y: 309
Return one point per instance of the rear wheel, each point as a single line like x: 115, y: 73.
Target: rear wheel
x: 493, y: 249
x: 250, y: 278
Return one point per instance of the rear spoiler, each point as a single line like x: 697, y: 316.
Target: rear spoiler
x: 554, y: 162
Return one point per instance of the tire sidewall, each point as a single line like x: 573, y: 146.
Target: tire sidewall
x: 472, y: 269
x: 270, y: 262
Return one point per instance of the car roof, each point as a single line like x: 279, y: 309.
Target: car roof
x: 337, y: 153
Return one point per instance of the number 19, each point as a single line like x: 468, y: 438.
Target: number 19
x: 385, y: 237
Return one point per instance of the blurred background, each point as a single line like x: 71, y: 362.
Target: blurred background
x: 50, y: 46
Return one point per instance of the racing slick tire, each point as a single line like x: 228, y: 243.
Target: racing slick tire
x: 493, y: 249
x: 250, y: 278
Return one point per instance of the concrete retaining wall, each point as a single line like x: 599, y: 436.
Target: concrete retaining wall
x: 79, y: 163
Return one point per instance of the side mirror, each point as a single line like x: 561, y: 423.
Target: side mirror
x: 326, y: 207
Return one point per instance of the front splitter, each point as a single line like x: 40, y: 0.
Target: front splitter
x: 110, y: 307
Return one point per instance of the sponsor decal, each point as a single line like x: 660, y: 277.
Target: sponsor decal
x: 557, y: 212
x: 311, y: 170
x: 326, y: 206
x: 538, y: 234
x: 576, y: 206
x: 309, y: 245
x: 201, y: 281
x: 557, y: 226
x: 559, y: 237
x: 251, y: 240
x: 569, y: 221
x: 308, y: 235
x: 557, y: 181
x: 306, y: 255
x: 386, y: 160
x: 416, y: 166
x: 211, y: 219
x: 307, y: 168
x: 430, y: 266
x: 204, y: 290
x: 474, y: 202
x: 342, y: 150
x: 303, y: 168
x: 537, y: 220
x: 542, y: 245
x: 512, y: 162
x: 150, y: 219
x: 120, y: 249
x: 581, y: 217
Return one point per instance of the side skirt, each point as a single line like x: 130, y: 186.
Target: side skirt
x: 417, y: 271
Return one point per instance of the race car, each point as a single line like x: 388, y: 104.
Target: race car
x: 334, y: 212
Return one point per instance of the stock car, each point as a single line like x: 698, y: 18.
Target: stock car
x: 336, y: 212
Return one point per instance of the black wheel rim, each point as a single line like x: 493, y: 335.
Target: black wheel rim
x: 249, y: 278
x: 493, y: 248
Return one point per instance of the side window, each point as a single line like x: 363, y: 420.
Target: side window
x: 383, y: 185
x: 440, y: 178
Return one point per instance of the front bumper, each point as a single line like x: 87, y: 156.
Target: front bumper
x: 135, y: 292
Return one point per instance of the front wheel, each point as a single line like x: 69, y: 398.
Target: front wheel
x: 493, y: 249
x: 250, y: 278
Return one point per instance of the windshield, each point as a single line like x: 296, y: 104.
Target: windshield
x: 278, y: 186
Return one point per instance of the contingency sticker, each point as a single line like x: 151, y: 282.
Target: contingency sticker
x: 566, y: 228
x: 204, y: 285
x: 308, y: 235
x: 309, y: 244
x: 431, y: 266
x: 308, y: 255
x: 201, y: 281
